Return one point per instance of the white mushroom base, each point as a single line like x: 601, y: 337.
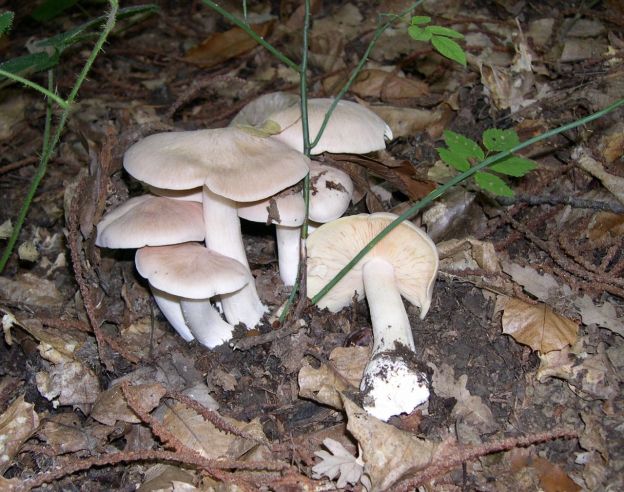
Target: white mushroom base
x: 390, y: 386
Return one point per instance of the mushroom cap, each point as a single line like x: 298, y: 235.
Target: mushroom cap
x: 190, y: 270
x: 331, y: 193
x: 231, y: 162
x: 289, y: 209
x: 352, y: 127
x: 257, y: 111
x: 410, y: 251
x: 151, y: 221
x: 190, y: 195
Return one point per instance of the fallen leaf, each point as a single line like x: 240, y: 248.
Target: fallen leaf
x: 605, y: 225
x: 112, y: 406
x: 604, y: 316
x: 322, y: 385
x: 160, y: 477
x: 552, y: 478
x: 469, y: 409
x: 350, y: 362
x: 68, y: 383
x: 388, y: 452
x: 387, y: 86
x: 222, y: 46
x: 64, y: 433
x: 405, y: 122
x: 338, y: 463
x: 537, y: 326
x: 17, y: 423
x: 30, y: 289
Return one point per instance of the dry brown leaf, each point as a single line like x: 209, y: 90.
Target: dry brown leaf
x: 350, y: 362
x: 387, y: 86
x: 538, y: 326
x: 388, y: 453
x: 405, y: 122
x: 552, y: 478
x: 399, y: 174
x: 69, y: 383
x: 605, y: 225
x: 611, y: 145
x: 111, y: 405
x: 469, y: 409
x: 161, y: 477
x: 223, y: 46
x: 30, y: 289
x: 64, y: 433
x: 202, y: 436
x: 17, y: 423
x: 322, y: 385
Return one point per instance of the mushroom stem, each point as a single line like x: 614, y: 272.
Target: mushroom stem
x: 223, y: 235
x: 388, y: 316
x: 205, y: 322
x: 391, y: 383
x: 288, y: 245
x: 170, y: 307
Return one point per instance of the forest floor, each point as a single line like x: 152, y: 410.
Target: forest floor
x: 523, y: 340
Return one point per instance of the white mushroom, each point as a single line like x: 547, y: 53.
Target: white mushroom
x: 287, y: 212
x: 147, y: 220
x: 404, y: 263
x: 194, y: 274
x: 233, y: 166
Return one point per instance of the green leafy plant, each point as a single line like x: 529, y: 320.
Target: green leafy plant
x: 45, y: 60
x: 441, y: 38
x: 461, y: 153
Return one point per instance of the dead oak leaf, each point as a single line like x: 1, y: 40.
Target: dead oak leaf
x: 538, y: 326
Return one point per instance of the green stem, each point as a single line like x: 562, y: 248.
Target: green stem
x: 50, y: 147
x: 438, y: 192
x: 303, y: 91
x: 33, y: 85
x: 258, y: 39
x: 358, y: 69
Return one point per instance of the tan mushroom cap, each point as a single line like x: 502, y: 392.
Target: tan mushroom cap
x: 407, y: 248
x: 288, y: 208
x: 232, y: 163
x: 352, y: 127
x: 151, y: 221
x: 191, y: 271
x: 256, y: 112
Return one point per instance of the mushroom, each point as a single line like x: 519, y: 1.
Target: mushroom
x: 147, y: 220
x: 330, y: 197
x: 232, y: 166
x: 194, y: 274
x: 404, y: 263
x: 287, y: 212
x: 351, y: 128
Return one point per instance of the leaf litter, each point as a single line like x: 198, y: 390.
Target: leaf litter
x: 132, y: 391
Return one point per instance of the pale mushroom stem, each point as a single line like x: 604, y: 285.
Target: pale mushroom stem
x: 169, y: 305
x: 223, y: 235
x: 391, y: 383
x: 388, y: 316
x: 288, y: 246
x: 205, y: 322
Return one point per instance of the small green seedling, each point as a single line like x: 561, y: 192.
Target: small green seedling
x: 462, y: 153
x: 439, y: 37
x: 6, y: 20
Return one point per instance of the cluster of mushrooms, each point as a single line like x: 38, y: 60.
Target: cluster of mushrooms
x: 189, y: 246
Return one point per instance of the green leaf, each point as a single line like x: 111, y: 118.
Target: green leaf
x: 51, y: 8
x: 493, y: 184
x: 500, y: 140
x: 445, y: 31
x: 420, y: 19
x: 418, y: 33
x: 463, y: 146
x: 449, y: 48
x: 457, y: 161
x: 514, y: 166
x: 6, y: 20
x: 47, y: 52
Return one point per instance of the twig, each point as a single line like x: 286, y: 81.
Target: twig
x: 450, y: 454
x: 574, y: 202
x: 17, y: 164
x: 250, y: 342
